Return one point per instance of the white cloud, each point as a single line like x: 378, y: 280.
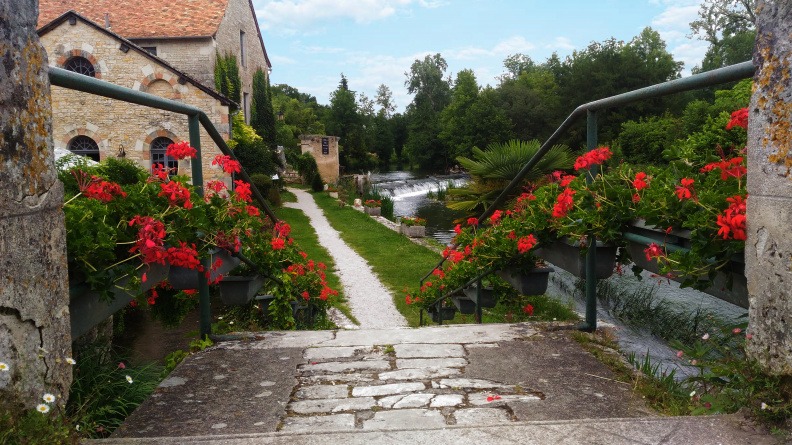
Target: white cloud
x: 512, y: 45
x: 561, y: 44
x: 673, y: 24
x: 676, y: 16
x: 282, y: 60
x: 289, y: 17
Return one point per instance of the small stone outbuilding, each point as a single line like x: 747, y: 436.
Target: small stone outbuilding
x: 325, y: 150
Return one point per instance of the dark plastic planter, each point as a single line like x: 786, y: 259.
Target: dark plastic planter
x: 487, y: 296
x: 464, y: 304
x: 568, y: 257
x: 239, y: 290
x: 533, y: 282
x: 447, y: 313
x: 181, y: 278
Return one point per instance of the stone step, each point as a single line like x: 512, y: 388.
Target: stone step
x: 702, y: 430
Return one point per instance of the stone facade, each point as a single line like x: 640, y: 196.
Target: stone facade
x: 34, y: 300
x: 113, y: 124
x: 327, y: 158
x: 768, y: 249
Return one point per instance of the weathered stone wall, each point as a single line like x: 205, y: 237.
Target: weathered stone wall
x: 112, y: 123
x: 327, y: 163
x: 239, y: 17
x: 768, y: 249
x: 34, y: 299
x: 196, y: 57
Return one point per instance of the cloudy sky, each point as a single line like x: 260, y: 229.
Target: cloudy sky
x: 373, y: 42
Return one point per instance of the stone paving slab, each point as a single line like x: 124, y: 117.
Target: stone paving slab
x: 430, y: 351
x: 405, y: 419
x: 389, y: 389
x: 324, y: 406
x: 457, y: 362
x: 418, y: 374
x: 330, y: 352
x: 481, y: 416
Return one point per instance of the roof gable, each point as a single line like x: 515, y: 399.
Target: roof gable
x: 64, y: 17
x: 137, y: 19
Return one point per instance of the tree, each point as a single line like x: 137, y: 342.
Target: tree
x: 344, y: 121
x: 227, y: 79
x: 515, y: 65
x: 262, y: 116
x: 385, y: 100
x: 729, y: 27
x: 432, y: 93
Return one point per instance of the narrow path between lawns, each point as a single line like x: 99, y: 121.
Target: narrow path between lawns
x: 371, y: 303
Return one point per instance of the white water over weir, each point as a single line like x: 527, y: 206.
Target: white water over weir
x: 404, y: 189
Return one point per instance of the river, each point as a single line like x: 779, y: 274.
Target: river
x: 409, y: 193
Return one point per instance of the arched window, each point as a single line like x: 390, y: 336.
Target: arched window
x: 158, y: 148
x: 84, y: 146
x: 80, y: 65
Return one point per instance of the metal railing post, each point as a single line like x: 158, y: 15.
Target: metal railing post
x: 591, y: 255
x: 204, y: 304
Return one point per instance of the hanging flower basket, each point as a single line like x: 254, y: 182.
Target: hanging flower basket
x: 569, y: 256
x: 486, y: 297
x: 182, y: 278
x: 444, y: 313
x: 533, y: 282
x: 236, y: 290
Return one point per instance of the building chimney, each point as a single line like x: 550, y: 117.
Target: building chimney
x: 107, y: 20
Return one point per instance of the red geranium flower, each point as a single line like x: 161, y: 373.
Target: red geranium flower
x: 242, y: 191
x: 640, y: 181
x: 278, y: 243
x: 653, y: 251
x: 180, y: 150
x: 685, y: 191
x: 526, y: 243
x: 228, y: 165
x: 176, y: 193
x: 739, y: 118
x: 528, y: 309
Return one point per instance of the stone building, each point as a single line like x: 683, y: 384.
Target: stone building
x: 140, y: 44
x: 325, y: 150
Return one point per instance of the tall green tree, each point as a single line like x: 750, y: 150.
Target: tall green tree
x: 262, y: 116
x: 432, y: 93
x: 227, y: 79
x: 344, y: 121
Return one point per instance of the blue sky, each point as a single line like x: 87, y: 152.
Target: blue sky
x: 373, y: 42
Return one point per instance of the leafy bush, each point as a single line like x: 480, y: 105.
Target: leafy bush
x: 643, y: 142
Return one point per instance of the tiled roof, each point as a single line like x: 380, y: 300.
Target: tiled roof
x: 135, y: 19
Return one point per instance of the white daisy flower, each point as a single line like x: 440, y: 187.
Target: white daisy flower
x: 42, y: 408
x: 4, y: 367
x: 764, y: 406
x: 129, y: 379
x: 705, y: 336
x: 71, y: 361
x: 49, y: 398
x: 692, y: 393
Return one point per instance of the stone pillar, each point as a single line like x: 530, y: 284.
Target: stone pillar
x: 768, y: 249
x: 35, y: 337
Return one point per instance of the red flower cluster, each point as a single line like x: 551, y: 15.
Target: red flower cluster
x: 176, y: 193
x: 242, y: 191
x: 685, y: 191
x: 594, y: 157
x: 252, y: 210
x: 731, y: 168
x: 732, y: 221
x: 282, y: 229
x: 640, y: 181
x: 216, y: 186
x: 472, y: 221
x: 564, y: 203
x: 739, y: 118
x: 278, y: 243
x: 158, y: 171
x: 528, y: 309
x: 150, y: 242
x: 653, y: 251
x: 526, y: 243
x: 102, y: 190
x: 180, y: 150
x: 184, y: 256
x: 228, y: 165
x: 496, y: 216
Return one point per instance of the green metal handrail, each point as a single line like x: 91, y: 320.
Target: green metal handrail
x: 727, y: 74
x: 195, y: 119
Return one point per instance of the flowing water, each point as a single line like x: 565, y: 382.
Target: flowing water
x: 409, y: 193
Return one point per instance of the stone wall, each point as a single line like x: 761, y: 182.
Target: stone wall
x: 35, y: 338
x: 113, y: 124
x: 239, y: 17
x: 196, y: 57
x: 327, y: 163
x: 768, y: 249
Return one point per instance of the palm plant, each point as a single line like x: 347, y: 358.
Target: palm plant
x: 492, y: 169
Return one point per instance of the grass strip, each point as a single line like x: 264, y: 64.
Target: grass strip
x: 398, y: 262
x: 305, y: 235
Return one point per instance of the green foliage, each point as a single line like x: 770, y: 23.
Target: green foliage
x: 432, y: 94
x: 227, y: 79
x: 20, y: 426
x: 317, y: 185
x: 256, y: 158
x: 643, y: 141
x: 492, y: 169
x: 262, y: 116
x: 122, y: 171
x: 101, y: 396
x: 305, y: 164
x: 344, y: 120
x: 172, y: 306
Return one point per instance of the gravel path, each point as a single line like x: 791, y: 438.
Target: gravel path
x: 371, y: 303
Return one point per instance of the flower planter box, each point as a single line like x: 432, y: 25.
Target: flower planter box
x: 444, y: 313
x: 568, y: 257
x: 413, y: 231
x: 729, y: 284
x: 239, y: 290
x: 181, y: 278
x: 87, y: 308
x: 486, y: 298
x: 533, y: 282
x: 333, y: 195
x: 373, y: 211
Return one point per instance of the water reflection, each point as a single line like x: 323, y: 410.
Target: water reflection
x: 409, y: 194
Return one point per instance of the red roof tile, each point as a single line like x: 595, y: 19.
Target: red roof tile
x: 135, y: 19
